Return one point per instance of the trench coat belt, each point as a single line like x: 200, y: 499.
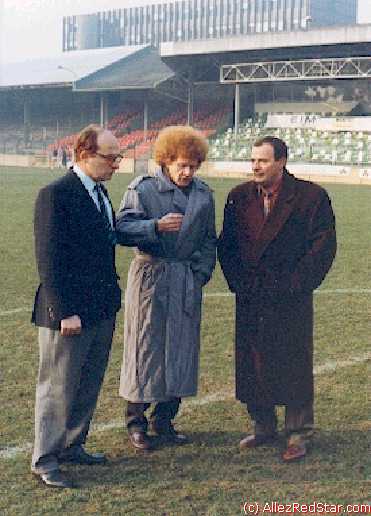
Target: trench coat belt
x: 171, y: 267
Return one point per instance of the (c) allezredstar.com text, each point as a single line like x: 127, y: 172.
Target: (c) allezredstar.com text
x: 314, y: 508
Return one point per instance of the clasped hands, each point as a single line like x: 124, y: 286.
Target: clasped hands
x: 71, y: 326
x: 169, y: 223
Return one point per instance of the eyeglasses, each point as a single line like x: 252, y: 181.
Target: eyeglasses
x: 112, y: 158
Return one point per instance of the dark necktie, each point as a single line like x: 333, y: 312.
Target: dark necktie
x: 102, y: 206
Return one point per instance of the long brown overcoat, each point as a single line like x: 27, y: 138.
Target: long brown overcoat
x: 273, y: 277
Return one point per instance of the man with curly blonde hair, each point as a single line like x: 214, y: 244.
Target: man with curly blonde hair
x: 171, y: 218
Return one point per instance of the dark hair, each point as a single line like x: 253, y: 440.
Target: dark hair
x: 279, y: 146
x: 87, y: 140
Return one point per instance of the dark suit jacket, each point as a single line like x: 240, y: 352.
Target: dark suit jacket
x: 273, y: 276
x: 75, y: 259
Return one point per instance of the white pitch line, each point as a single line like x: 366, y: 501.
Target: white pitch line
x: 330, y: 366
x: 14, y: 311
x: 11, y: 453
x: 318, y: 291
x: 343, y: 291
x: 229, y: 294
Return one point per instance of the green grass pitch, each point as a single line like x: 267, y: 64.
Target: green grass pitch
x: 209, y: 476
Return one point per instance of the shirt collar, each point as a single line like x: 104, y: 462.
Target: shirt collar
x: 269, y: 192
x: 87, y: 181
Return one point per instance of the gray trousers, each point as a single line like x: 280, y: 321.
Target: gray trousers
x: 71, y: 371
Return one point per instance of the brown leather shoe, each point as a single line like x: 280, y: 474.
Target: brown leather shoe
x: 296, y: 449
x: 140, y: 440
x: 253, y: 441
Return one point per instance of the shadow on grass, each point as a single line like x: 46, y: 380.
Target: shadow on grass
x: 215, y: 456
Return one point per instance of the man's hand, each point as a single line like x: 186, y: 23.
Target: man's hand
x: 169, y: 222
x: 71, y: 326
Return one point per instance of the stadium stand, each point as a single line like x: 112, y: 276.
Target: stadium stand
x: 137, y: 143
x: 305, y: 144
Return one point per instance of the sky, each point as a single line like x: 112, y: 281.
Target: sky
x: 30, y: 29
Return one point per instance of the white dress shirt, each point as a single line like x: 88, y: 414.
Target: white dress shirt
x: 89, y: 184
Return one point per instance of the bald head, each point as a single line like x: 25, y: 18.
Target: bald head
x: 97, y: 152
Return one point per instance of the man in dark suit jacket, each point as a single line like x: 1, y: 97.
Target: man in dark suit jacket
x: 277, y: 245
x: 75, y: 304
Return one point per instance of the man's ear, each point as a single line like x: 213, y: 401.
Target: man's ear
x: 84, y: 154
x: 283, y: 162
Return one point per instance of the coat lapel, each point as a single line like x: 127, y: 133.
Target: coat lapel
x: 163, y: 183
x: 86, y: 205
x: 110, y: 203
x: 279, y: 215
x: 180, y: 201
x: 181, y: 204
x: 194, y: 202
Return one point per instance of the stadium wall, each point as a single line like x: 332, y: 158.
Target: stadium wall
x: 45, y: 161
x: 321, y: 173
x: 20, y: 160
x: 314, y: 172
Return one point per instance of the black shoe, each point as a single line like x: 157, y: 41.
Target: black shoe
x: 54, y: 478
x: 168, y: 433
x: 77, y: 455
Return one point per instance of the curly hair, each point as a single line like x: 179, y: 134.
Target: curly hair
x: 87, y: 140
x: 180, y: 141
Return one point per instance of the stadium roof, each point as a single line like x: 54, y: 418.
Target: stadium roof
x: 201, y: 60
x: 140, y: 70
x: 98, y: 69
x: 349, y: 34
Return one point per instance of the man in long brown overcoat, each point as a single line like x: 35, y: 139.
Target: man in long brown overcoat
x: 276, y: 247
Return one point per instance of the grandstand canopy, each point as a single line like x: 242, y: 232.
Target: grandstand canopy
x: 111, y: 68
x: 142, y: 69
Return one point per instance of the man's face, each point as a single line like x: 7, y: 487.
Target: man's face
x: 182, y: 170
x: 266, y: 170
x: 104, y: 163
